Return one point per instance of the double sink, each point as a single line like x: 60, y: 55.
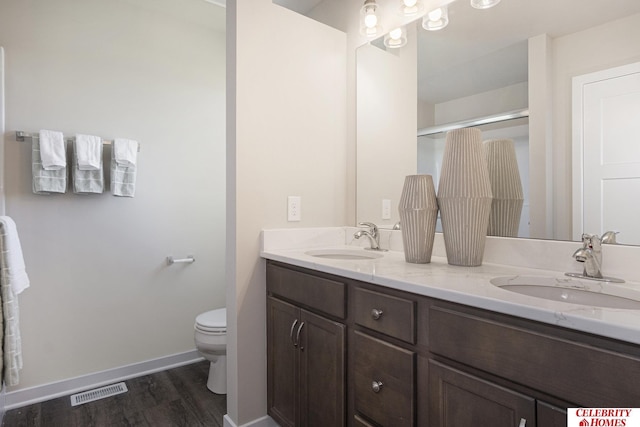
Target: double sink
x: 573, y: 291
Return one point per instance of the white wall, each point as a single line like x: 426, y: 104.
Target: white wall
x: 386, y: 126
x: 101, y: 295
x: 286, y: 136
x: 598, y: 48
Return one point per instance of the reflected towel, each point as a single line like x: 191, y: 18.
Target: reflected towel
x: 52, y: 150
x: 87, y: 181
x: 89, y: 152
x: 123, y: 178
x: 46, y: 181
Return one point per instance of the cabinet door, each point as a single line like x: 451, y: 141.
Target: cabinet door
x: 322, y: 372
x: 551, y: 416
x: 457, y: 399
x: 282, y: 377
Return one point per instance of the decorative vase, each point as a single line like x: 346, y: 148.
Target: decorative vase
x: 418, y: 210
x: 506, y: 187
x: 464, y: 197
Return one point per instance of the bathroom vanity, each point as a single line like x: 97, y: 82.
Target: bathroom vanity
x: 348, y: 351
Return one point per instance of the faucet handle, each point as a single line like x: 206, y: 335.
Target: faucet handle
x: 373, y: 229
x: 609, y: 237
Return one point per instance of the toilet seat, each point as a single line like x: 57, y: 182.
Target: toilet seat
x: 214, y: 321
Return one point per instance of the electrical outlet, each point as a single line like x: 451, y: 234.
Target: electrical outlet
x: 294, y: 207
x: 386, y: 209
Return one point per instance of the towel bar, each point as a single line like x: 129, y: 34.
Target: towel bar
x: 22, y: 136
x: 188, y: 260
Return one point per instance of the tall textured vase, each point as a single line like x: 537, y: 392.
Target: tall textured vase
x: 464, y: 197
x: 506, y: 187
x: 418, y: 210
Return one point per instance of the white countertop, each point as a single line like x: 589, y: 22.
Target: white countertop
x: 471, y: 286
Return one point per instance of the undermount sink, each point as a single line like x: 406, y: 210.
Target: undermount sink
x: 569, y: 290
x: 346, y: 254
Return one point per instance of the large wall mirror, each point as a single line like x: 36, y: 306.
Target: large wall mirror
x: 520, y: 58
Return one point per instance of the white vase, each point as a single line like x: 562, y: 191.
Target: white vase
x: 464, y: 197
x: 418, y: 210
x: 506, y: 186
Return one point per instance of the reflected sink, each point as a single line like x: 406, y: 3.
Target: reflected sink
x: 570, y: 290
x: 350, y: 254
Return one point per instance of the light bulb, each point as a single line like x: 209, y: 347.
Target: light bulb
x: 370, y: 18
x: 395, y: 34
x: 410, y: 7
x: 435, y: 15
x: 436, y: 20
x: 410, y: 3
x: 396, y: 38
x: 484, y: 4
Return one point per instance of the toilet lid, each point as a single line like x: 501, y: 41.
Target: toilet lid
x: 214, y: 320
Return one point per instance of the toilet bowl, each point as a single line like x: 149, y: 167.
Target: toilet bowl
x: 211, y: 341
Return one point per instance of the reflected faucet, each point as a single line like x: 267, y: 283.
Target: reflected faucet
x: 372, y: 234
x: 590, y: 254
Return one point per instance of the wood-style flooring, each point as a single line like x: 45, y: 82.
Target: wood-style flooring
x: 178, y: 397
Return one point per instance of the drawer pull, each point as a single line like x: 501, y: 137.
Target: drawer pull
x: 523, y: 422
x: 293, y: 325
x: 376, y: 386
x: 376, y: 314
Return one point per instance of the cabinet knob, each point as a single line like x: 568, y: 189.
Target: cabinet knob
x: 376, y: 386
x: 376, y: 314
x: 523, y: 423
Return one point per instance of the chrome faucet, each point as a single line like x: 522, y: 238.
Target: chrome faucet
x: 372, y: 234
x: 590, y: 254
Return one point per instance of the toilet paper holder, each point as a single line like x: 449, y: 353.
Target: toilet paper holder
x: 188, y: 260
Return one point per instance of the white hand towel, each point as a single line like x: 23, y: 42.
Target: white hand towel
x: 52, y: 150
x: 88, y: 152
x: 125, y: 152
x: 46, y: 181
x: 13, y: 261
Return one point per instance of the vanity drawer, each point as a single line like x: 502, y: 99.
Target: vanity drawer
x: 384, y: 381
x: 324, y: 295
x: 572, y: 369
x: 386, y: 314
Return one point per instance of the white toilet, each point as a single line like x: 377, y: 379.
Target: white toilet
x: 211, y: 341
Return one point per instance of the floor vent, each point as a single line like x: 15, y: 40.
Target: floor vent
x: 98, y: 393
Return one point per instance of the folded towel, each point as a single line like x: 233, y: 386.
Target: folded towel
x: 86, y: 181
x: 89, y: 152
x: 52, y: 150
x: 46, y: 181
x: 16, y: 272
x: 123, y: 178
x: 125, y: 152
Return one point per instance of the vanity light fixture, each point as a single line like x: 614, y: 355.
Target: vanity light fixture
x: 369, y: 20
x: 396, y: 38
x: 484, y: 4
x: 411, y: 7
x: 437, y: 19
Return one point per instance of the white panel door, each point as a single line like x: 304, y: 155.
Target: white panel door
x: 610, y: 170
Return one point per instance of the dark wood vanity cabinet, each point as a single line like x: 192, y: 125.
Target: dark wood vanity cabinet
x: 418, y: 361
x: 306, y: 353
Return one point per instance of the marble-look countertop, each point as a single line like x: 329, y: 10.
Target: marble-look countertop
x: 471, y: 286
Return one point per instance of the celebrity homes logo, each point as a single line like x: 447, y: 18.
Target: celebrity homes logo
x: 603, y: 417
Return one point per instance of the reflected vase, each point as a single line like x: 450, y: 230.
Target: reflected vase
x: 506, y: 186
x: 464, y: 197
x: 418, y: 210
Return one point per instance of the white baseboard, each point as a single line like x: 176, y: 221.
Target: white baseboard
x: 266, y: 421
x: 28, y: 396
